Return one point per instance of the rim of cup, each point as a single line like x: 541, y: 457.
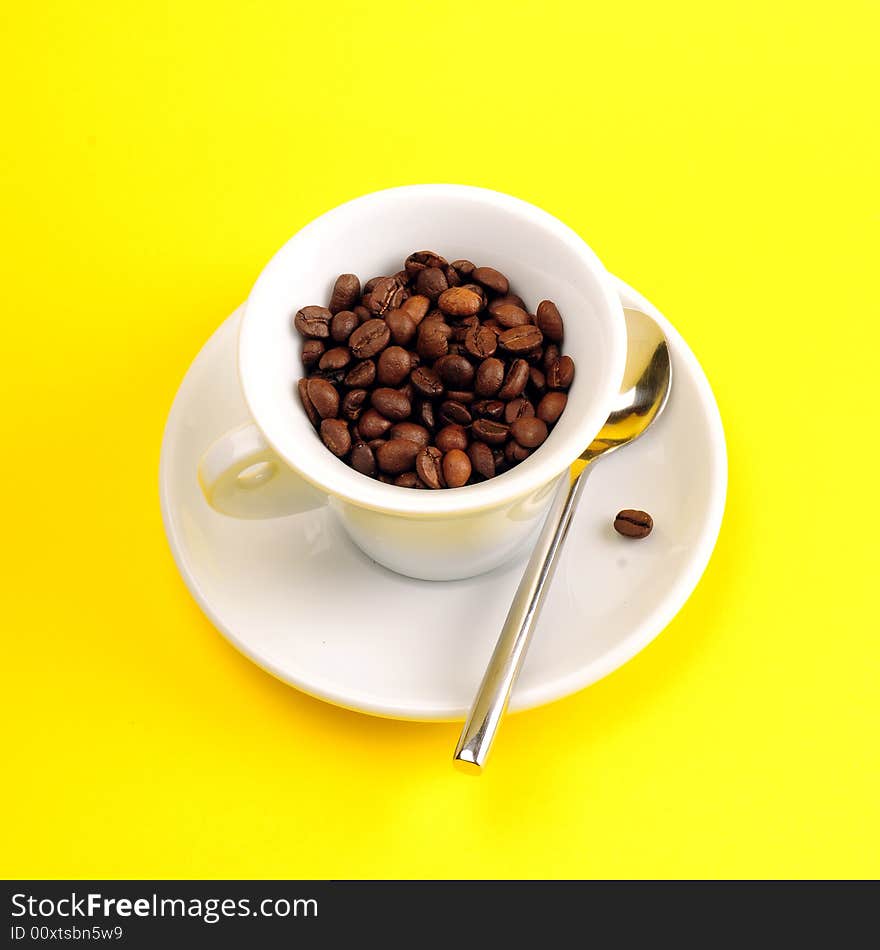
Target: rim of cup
x: 310, y: 457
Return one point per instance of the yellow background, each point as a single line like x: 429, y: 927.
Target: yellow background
x: 721, y: 159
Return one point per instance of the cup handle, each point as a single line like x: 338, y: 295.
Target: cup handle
x: 243, y: 476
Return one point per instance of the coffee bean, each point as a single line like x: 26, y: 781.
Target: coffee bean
x: 362, y: 459
x: 396, y: 456
x: 429, y: 467
x: 464, y: 269
x: 489, y: 408
x: 337, y: 358
x: 452, y: 278
x: 549, y: 321
x: 455, y: 371
x: 390, y: 403
x: 561, y: 374
x: 451, y: 436
x: 407, y: 390
x: 433, y: 339
x: 313, y: 322
x: 431, y: 282
x: 521, y: 339
x: 459, y: 302
x: 324, y: 398
x: 632, y: 523
x: 537, y: 380
x: 551, y: 355
x: 493, y: 325
x: 509, y: 315
x: 480, y: 341
x: 550, y: 407
x: 456, y: 468
x: 393, y: 366
x: 335, y: 435
x: 375, y: 443
x: 370, y: 284
x: 343, y: 324
x: 426, y: 382
x: 518, y: 409
x: 451, y: 411
x: 369, y: 339
x: 515, y: 380
x: 464, y: 396
x: 303, y: 389
x: 362, y: 313
x: 353, y: 404
x: 386, y: 479
x: 493, y: 279
x: 346, y: 293
x: 493, y: 433
x: 388, y: 294
x: 409, y: 480
x: 420, y: 260
x: 373, y: 425
x: 480, y: 291
x: 361, y: 374
x: 425, y: 414
x: 515, y: 453
x: 412, y: 432
x: 509, y: 299
x: 535, y: 357
x: 490, y: 376
x: 416, y: 306
x: 481, y: 458
x: 529, y: 431
x: 402, y: 327
x: 311, y: 352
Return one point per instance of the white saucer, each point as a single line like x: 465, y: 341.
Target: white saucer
x: 300, y: 600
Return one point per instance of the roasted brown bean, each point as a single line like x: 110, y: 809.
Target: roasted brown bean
x: 481, y: 342
x: 390, y: 403
x: 521, y: 339
x: 433, y: 339
x: 353, y: 404
x: 409, y: 480
x: 324, y: 398
x: 429, y: 467
x: 303, y: 390
x: 459, y: 302
x: 343, y: 324
x: 550, y: 407
x: 393, y: 366
x: 411, y: 431
x: 513, y: 299
x: 420, y: 260
x: 509, y: 315
x: 481, y: 458
x: 490, y: 377
x: 549, y: 321
x: 373, y: 425
x: 561, y: 374
x: 337, y: 358
x: 361, y: 374
x: 455, y: 371
x: 456, y: 468
x: 491, y: 278
x: 515, y: 380
x: 369, y: 339
x: 388, y: 294
x: 529, y: 431
x: 489, y: 408
x: 335, y: 435
x: 452, y: 436
x: 311, y: 352
x: 493, y: 433
x: 362, y: 459
x: 416, y: 306
x: 427, y: 382
x: 346, y: 293
x: 633, y: 523
x: 313, y: 322
x: 402, y: 327
x: 451, y: 411
x: 518, y: 409
x: 431, y: 282
x: 396, y: 456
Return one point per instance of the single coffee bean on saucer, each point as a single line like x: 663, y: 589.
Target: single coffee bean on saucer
x: 632, y: 523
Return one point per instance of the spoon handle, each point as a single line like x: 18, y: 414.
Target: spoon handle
x: 513, y: 642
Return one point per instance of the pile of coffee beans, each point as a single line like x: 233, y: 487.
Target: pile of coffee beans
x: 435, y: 377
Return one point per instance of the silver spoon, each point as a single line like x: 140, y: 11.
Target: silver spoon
x: 644, y: 391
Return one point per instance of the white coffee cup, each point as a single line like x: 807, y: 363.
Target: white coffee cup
x: 278, y: 465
